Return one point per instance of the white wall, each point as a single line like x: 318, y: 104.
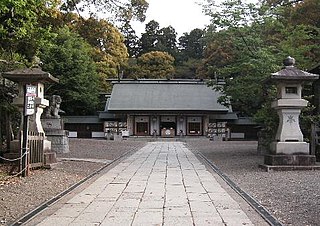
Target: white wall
x: 73, y: 134
x: 97, y: 135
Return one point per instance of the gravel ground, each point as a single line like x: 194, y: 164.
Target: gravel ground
x: 97, y: 148
x: 18, y: 196
x: 293, y: 197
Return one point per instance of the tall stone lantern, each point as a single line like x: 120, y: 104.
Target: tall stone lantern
x: 35, y: 78
x: 289, y: 150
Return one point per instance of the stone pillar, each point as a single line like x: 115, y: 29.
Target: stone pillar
x: 130, y: 124
x: 289, y: 138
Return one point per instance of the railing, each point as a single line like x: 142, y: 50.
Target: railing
x: 34, y: 154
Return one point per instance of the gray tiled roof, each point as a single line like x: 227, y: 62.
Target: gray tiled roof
x: 164, y: 96
x: 91, y: 119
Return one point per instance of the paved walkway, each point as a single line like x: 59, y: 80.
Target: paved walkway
x: 161, y: 184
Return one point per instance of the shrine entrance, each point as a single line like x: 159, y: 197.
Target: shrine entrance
x: 168, y: 126
x: 142, y: 125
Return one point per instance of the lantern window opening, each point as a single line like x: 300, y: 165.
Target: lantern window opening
x: 291, y: 90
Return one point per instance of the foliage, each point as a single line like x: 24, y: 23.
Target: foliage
x: 246, y: 43
x: 9, y: 114
x: 187, y: 69
x: 131, y: 40
x: 154, y: 65
x: 156, y: 39
x: 167, y: 40
x: 19, y: 27
x: 37, y: 28
x: 191, y: 44
x: 110, y: 52
x: 69, y: 59
x: 149, y: 39
x: 119, y: 10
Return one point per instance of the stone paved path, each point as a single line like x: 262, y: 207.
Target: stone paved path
x: 161, y: 184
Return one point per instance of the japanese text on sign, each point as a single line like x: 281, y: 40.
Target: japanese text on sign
x: 31, y: 93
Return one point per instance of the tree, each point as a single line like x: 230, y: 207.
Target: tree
x: 19, y: 26
x: 187, y: 69
x: 20, y: 39
x: 154, y: 64
x: 131, y: 40
x: 9, y: 114
x: 191, y: 44
x: 119, y: 10
x: 246, y: 44
x: 188, y: 58
x: 150, y: 38
x: 156, y: 39
x: 167, y: 40
x: 110, y: 52
x: 69, y: 59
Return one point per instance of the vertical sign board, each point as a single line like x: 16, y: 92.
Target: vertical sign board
x: 29, y: 109
x: 31, y: 93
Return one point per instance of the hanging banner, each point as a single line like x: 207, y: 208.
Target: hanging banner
x: 31, y: 93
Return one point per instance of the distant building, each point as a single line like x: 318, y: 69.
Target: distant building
x: 162, y: 108
x: 84, y: 126
x: 166, y: 108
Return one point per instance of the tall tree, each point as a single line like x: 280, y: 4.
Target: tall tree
x: 118, y: 10
x: 110, y: 52
x: 191, y: 44
x: 167, y: 40
x: 247, y: 43
x: 69, y: 58
x: 154, y: 64
x: 150, y: 38
x: 19, y: 26
x: 188, y: 59
x: 158, y: 39
x: 131, y: 40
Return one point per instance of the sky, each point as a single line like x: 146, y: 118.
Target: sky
x: 182, y: 15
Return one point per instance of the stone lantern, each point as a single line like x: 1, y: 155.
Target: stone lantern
x: 36, y: 78
x: 289, y: 149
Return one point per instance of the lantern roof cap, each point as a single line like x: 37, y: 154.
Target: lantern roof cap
x: 33, y: 74
x: 290, y: 72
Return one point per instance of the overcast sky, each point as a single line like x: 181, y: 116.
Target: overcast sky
x: 182, y: 15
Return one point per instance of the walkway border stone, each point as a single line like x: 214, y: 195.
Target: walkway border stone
x: 263, y: 212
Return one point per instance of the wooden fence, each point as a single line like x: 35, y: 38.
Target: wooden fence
x: 35, y: 146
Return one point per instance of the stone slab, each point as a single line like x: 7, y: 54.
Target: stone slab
x: 146, y: 217
x: 290, y: 160
x: 269, y: 168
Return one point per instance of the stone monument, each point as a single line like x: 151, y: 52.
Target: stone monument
x: 289, y: 150
x: 53, y: 126
x: 31, y: 77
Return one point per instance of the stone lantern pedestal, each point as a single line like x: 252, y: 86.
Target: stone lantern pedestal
x: 289, y: 151
x: 36, y: 78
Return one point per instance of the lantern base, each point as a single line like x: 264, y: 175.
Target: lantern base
x: 269, y: 168
x: 289, y: 148
x: 289, y: 162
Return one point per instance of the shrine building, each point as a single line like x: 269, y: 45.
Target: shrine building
x: 165, y: 108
